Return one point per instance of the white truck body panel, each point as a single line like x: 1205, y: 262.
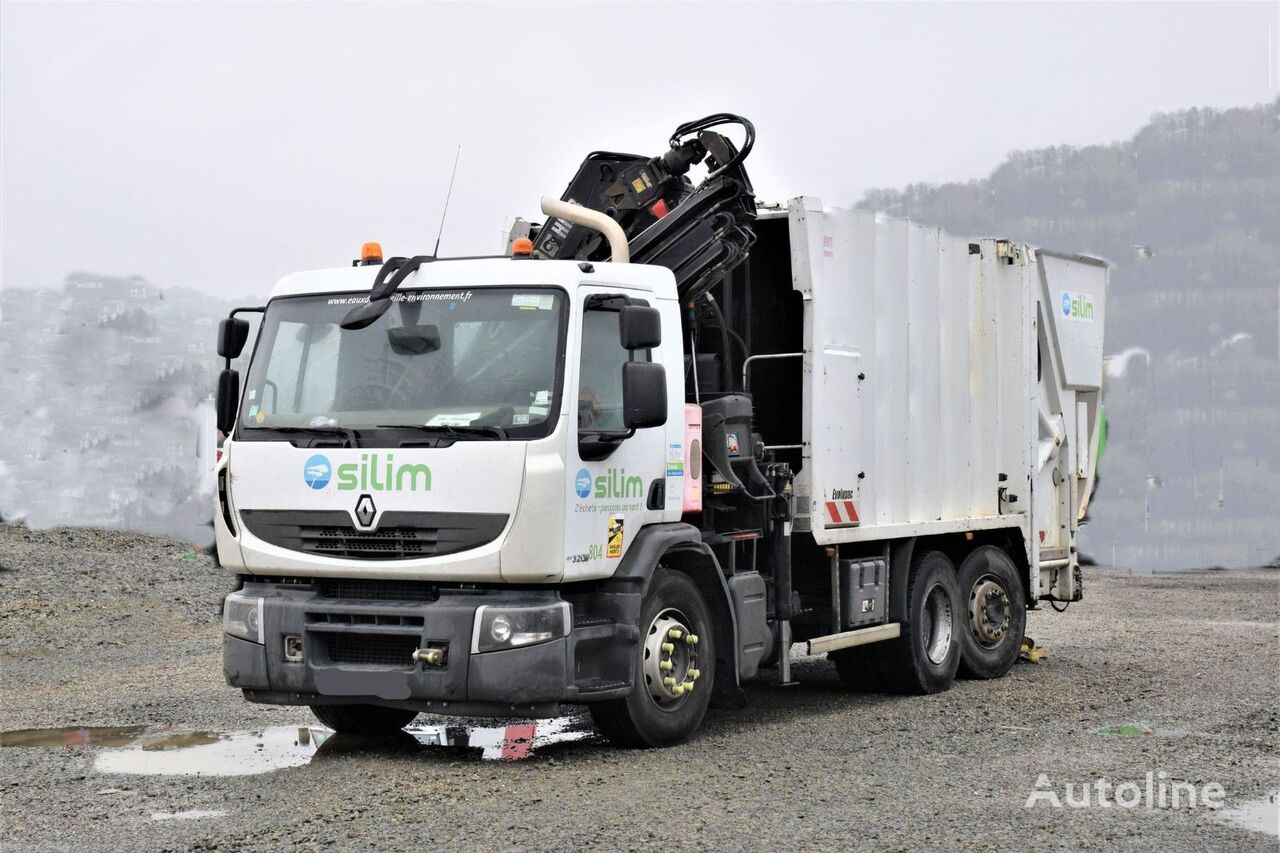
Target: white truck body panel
x: 921, y: 389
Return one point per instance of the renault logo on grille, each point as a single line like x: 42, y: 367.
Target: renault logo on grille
x: 365, y: 512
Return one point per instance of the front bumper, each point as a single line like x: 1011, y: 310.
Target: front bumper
x: 358, y: 650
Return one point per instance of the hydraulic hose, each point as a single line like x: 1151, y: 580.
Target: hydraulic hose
x: 714, y: 120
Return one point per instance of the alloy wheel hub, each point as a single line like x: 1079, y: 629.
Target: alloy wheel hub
x: 989, y: 615
x: 670, y: 658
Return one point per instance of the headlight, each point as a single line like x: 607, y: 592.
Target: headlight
x: 242, y: 617
x: 510, y: 626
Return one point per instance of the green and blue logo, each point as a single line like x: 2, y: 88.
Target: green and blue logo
x: 369, y: 474
x: 613, y: 483
x: 1077, y: 306
x: 317, y: 471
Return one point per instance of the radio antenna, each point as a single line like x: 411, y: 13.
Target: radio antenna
x: 435, y: 253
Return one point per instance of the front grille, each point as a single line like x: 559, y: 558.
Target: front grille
x: 387, y: 543
x: 373, y: 590
x: 372, y: 649
x: 400, y: 535
x: 381, y: 619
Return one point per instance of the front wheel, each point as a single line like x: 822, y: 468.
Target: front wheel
x: 363, y: 719
x: 674, y: 669
x: 995, y: 613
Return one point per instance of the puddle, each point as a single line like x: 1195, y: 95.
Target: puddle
x: 191, y: 814
x: 207, y: 754
x: 1260, y: 815
x: 139, y: 750
x: 73, y: 736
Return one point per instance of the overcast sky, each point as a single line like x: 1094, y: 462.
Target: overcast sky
x: 223, y: 145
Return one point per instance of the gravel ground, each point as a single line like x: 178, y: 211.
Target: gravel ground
x: 115, y: 629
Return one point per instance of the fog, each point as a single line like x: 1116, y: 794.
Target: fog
x: 219, y: 146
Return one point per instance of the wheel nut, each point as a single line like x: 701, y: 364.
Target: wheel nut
x: 692, y: 639
x: 693, y: 674
x: 668, y: 682
x: 665, y: 665
x: 668, y: 647
x: 675, y: 633
x: 678, y: 689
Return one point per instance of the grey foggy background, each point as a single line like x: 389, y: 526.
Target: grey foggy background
x: 159, y: 163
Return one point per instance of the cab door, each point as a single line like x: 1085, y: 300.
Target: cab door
x: 616, y: 480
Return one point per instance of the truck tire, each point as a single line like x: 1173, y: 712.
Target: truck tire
x: 925, y: 657
x: 676, y: 654
x: 363, y: 719
x: 995, y: 607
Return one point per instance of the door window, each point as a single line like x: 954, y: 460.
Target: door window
x: 600, y: 372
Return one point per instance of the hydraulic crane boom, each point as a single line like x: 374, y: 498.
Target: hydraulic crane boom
x: 700, y: 233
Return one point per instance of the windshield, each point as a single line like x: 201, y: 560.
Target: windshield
x: 459, y: 361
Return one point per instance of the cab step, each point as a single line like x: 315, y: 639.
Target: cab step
x: 858, y: 637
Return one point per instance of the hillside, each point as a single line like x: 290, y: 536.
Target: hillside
x: 1188, y: 212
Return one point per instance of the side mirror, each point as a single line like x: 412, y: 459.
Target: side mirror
x: 228, y: 398
x: 232, y: 334
x: 640, y: 327
x: 644, y: 394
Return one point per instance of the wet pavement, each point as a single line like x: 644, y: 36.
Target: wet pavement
x: 1259, y: 815
x: 150, y: 751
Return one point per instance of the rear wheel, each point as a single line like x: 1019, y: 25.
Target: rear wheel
x: 995, y: 613
x: 925, y: 657
x: 363, y: 719
x: 674, y: 669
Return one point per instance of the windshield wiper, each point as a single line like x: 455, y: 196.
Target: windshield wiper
x: 454, y: 432
x: 352, y: 437
x: 486, y: 429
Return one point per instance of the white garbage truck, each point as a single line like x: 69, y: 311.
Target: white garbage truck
x: 664, y: 438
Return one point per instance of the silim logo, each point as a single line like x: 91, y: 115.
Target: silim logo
x: 613, y: 483
x: 364, y: 475
x: 317, y: 471
x: 1077, y: 306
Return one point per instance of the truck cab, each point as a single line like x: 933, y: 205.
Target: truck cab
x: 415, y: 509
